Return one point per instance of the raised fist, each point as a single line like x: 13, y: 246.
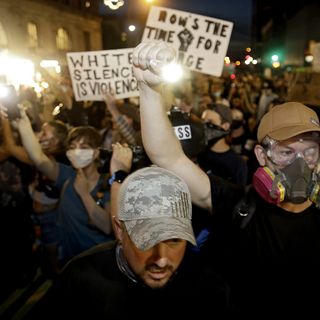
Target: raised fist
x: 148, y: 58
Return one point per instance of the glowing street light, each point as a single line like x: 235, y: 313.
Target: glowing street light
x: 276, y: 64
x: 308, y: 58
x: 113, y: 4
x: 132, y: 27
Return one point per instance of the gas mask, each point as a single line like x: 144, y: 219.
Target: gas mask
x: 214, y: 133
x: 297, y: 180
x: 295, y: 183
x: 80, y: 158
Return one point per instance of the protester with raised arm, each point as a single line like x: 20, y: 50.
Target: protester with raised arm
x: 268, y: 243
x: 84, y: 209
x: 159, y: 140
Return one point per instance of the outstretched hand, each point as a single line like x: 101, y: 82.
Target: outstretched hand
x: 110, y: 101
x: 121, y: 158
x: 148, y: 57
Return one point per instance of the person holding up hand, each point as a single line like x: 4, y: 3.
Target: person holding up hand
x: 84, y: 206
x: 268, y: 239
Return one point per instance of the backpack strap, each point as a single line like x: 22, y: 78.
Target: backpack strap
x: 245, y: 208
x: 102, y: 189
x: 64, y: 187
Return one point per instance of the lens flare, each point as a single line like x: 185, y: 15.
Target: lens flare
x: 171, y: 72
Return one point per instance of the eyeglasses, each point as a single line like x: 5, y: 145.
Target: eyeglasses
x: 284, y: 155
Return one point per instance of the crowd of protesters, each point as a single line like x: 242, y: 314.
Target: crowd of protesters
x: 55, y: 203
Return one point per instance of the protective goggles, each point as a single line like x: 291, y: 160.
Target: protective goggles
x: 283, y: 154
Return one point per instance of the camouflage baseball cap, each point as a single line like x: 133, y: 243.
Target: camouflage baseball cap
x: 155, y: 205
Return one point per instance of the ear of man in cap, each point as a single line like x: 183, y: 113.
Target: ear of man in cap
x: 155, y: 205
x: 287, y: 120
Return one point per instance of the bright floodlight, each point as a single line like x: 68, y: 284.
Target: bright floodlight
x: 171, y: 72
x: 4, y: 91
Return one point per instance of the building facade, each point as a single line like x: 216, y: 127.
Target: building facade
x: 46, y: 30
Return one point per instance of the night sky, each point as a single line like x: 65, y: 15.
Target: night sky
x: 238, y: 12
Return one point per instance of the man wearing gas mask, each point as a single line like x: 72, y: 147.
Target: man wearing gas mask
x: 288, y: 158
x: 273, y: 260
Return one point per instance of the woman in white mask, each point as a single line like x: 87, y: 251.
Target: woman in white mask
x: 84, y: 208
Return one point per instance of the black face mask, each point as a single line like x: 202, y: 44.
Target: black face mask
x: 297, y: 182
x: 189, y: 129
x: 236, y: 124
x: 214, y: 133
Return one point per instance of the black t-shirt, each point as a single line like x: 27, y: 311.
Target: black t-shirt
x: 93, y: 287
x: 228, y: 165
x: 274, y: 262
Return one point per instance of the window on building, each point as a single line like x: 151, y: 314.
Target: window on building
x: 86, y: 39
x: 63, y: 41
x: 3, y: 37
x: 32, y: 35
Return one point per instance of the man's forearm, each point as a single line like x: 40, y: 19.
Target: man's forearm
x: 159, y: 140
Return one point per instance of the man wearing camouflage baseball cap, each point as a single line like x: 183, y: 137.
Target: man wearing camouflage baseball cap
x: 149, y: 269
x: 155, y: 212
x: 155, y: 205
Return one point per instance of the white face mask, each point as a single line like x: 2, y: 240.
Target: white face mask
x: 80, y: 158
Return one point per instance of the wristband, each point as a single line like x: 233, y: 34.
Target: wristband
x: 118, y: 176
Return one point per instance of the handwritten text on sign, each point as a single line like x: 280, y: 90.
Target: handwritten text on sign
x: 93, y: 73
x: 202, y: 42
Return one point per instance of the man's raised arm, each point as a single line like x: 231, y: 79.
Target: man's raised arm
x: 159, y: 140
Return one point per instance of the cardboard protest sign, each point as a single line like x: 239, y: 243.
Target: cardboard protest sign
x: 304, y: 88
x: 93, y: 73
x: 201, y: 41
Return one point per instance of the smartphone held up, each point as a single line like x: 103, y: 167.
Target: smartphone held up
x: 9, y: 99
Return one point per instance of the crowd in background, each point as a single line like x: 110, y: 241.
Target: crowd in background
x: 31, y: 222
